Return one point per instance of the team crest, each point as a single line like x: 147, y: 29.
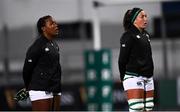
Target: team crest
x: 46, y: 49
x: 138, y: 36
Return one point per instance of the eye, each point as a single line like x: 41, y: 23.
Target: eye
x: 144, y: 16
x: 141, y: 16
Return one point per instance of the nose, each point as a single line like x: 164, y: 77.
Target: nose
x: 56, y: 25
x: 145, y: 18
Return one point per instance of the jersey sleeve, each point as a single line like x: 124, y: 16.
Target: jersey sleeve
x: 30, y: 62
x: 126, y: 43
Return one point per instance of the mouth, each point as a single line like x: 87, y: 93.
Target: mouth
x: 57, y: 30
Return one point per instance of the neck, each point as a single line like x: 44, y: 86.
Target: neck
x: 47, y: 36
x: 140, y: 29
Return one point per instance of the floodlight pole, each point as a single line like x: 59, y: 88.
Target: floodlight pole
x: 164, y: 47
x: 96, y: 27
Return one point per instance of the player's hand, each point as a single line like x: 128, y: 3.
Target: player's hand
x: 21, y: 95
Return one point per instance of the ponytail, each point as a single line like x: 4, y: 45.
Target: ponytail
x: 127, y: 20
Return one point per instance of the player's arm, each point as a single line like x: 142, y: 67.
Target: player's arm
x: 126, y: 43
x: 31, y: 59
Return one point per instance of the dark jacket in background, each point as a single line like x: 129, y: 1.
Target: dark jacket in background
x: 42, y: 70
x: 135, y: 53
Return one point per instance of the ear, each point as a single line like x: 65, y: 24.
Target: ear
x: 43, y: 28
x: 135, y: 21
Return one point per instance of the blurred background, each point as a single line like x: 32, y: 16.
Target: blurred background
x: 90, y: 28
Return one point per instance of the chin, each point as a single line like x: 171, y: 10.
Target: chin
x: 55, y: 33
x: 144, y: 27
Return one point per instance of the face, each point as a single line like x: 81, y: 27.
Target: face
x: 51, y: 28
x: 141, y: 20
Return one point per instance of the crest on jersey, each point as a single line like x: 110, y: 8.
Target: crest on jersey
x: 138, y: 36
x: 46, y: 49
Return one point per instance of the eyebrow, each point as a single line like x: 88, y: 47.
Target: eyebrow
x: 144, y: 14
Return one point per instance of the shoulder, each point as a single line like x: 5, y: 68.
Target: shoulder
x: 128, y: 35
x: 37, y: 45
